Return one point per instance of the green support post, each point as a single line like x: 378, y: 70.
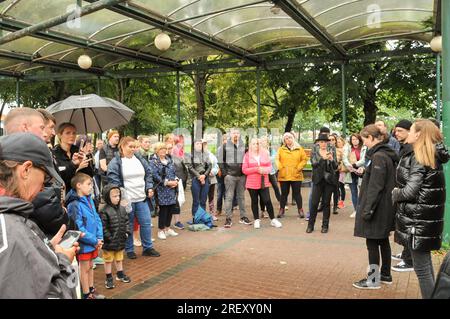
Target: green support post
x: 178, y: 101
x: 343, y: 93
x: 18, y: 93
x: 438, y: 87
x: 98, y: 86
x: 445, y: 14
x: 258, y: 98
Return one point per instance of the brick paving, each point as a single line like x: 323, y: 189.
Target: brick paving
x: 243, y: 262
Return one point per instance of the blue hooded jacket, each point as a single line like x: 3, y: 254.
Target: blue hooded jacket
x: 82, y: 211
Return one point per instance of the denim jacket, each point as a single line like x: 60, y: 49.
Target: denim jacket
x: 161, y: 174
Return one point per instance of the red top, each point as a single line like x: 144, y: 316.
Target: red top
x: 357, y: 152
x: 250, y: 168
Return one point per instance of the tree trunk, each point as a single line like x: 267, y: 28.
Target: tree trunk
x: 290, y: 118
x: 369, y: 100
x: 200, y: 91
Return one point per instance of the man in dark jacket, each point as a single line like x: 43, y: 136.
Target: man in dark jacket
x: 401, y: 133
x: 230, y: 163
x: 116, y: 229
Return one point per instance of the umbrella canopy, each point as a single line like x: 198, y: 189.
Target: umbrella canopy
x: 91, y: 113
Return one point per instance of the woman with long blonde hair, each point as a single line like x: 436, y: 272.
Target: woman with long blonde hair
x: 420, y: 199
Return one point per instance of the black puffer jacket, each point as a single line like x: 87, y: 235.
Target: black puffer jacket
x: 375, y: 212
x: 420, y: 199
x: 115, y: 221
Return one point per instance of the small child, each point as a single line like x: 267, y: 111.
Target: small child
x: 116, y: 229
x: 81, y: 208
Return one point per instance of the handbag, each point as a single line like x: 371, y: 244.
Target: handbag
x: 181, y: 198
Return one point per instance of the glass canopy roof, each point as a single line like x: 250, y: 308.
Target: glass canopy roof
x: 246, y: 30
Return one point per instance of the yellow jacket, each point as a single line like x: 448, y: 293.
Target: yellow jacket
x: 290, y: 163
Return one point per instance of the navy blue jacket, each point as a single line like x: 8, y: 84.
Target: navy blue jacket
x: 115, y: 176
x: 166, y: 195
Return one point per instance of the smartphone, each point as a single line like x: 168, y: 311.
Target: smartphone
x: 81, y: 145
x: 70, y: 238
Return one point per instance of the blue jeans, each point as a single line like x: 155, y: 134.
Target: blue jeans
x: 199, y: 194
x: 354, y: 190
x: 142, y: 213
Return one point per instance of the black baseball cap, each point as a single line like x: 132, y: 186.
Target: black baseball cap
x: 22, y: 147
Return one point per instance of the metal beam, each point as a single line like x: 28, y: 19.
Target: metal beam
x: 185, y: 32
x: 55, y: 64
x: 12, y: 25
x: 78, y: 12
x: 306, y: 21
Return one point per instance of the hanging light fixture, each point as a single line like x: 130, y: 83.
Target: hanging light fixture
x: 84, y: 61
x: 162, y: 41
x: 275, y: 9
x: 436, y: 44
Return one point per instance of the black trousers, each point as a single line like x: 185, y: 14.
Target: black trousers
x: 321, y: 190
x: 165, y: 215
x: 375, y: 247
x: 342, y: 190
x: 296, y: 193
x: 264, y: 195
x: 273, y: 180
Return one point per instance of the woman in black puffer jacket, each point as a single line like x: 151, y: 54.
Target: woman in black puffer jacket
x: 420, y: 199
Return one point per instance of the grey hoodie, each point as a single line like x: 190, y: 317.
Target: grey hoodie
x: 29, y: 266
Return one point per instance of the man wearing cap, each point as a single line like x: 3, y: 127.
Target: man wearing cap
x: 48, y: 212
x: 401, y: 133
x: 108, y: 152
x: 31, y: 266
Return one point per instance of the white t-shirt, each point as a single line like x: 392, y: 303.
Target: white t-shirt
x: 258, y: 159
x: 134, y: 179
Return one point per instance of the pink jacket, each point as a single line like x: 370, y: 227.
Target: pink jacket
x: 250, y: 168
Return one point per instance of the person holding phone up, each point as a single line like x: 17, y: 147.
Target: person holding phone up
x: 69, y: 158
x: 324, y: 164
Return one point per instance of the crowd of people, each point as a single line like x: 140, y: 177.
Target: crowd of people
x: 110, y: 192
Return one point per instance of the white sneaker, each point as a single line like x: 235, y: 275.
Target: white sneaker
x: 353, y: 215
x: 286, y: 208
x: 257, y: 224
x: 171, y: 232
x: 153, y: 239
x: 275, y: 223
x: 162, y: 234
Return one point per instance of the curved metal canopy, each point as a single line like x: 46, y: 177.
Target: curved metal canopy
x: 42, y: 34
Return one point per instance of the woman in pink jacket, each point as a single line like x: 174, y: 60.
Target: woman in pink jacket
x: 257, y: 165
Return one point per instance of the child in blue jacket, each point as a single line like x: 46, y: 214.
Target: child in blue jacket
x: 81, y: 209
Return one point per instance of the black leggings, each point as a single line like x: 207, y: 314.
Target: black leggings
x: 374, y: 246
x: 342, y: 190
x: 264, y: 194
x: 276, y: 189
x: 296, y: 189
x: 165, y: 215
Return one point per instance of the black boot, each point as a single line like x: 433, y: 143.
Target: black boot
x: 301, y: 213
x: 281, y: 214
x: 324, y: 229
x: 310, y: 229
x: 335, y: 210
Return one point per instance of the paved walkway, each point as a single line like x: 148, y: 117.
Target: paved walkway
x: 242, y: 262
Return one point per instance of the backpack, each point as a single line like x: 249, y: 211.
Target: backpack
x: 442, y: 286
x: 202, y: 217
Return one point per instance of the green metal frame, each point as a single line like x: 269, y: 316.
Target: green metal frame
x: 310, y: 25
x: 445, y: 12
x: 191, y: 34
